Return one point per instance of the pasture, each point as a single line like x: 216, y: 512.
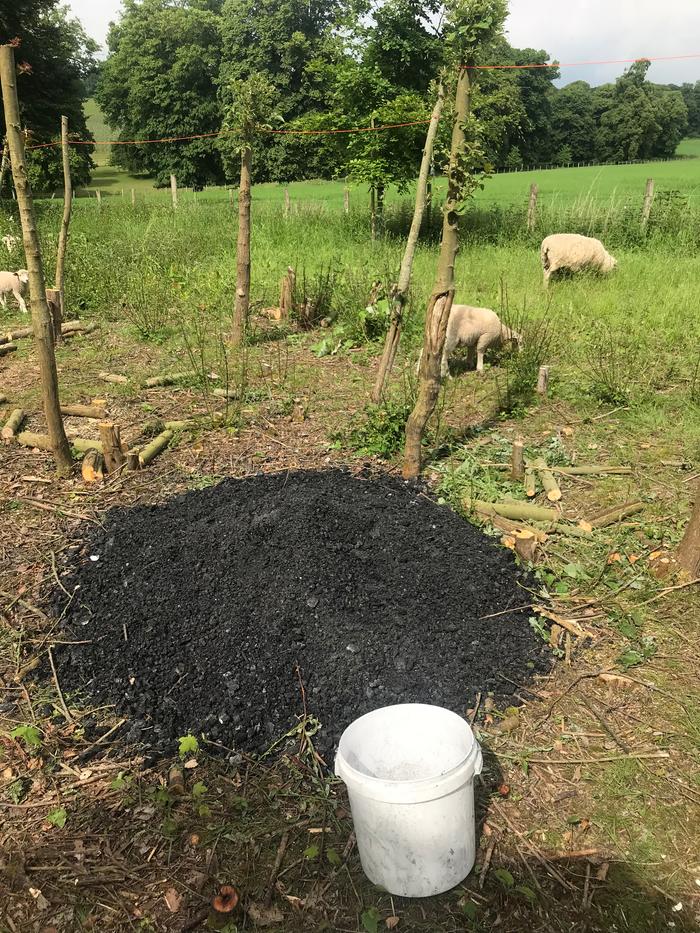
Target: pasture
x: 589, y: 802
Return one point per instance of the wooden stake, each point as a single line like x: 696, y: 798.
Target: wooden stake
x: 689, y: 550
x: 287, y: 203
x: 93, y: 467
x: 65, y: 223
x: 13, y: 424
x: 173, y: 190
x: 132, y: 460
x: 157, y: 446
x: 346, y: 200
x: 517, y: 471
x: 648, y: 201
x: 111, y: 446
x: 532, y: 208
x: 543, y: 381
x: 287, y: 294
x: 53, y: 300
x: 242, y: 302
x: 41, y: 321
x: 98, y: 195
x: 133, y: 197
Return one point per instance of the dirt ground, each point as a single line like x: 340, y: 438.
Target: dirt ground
x: 589, y: 803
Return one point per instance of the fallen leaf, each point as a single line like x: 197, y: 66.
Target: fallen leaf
x: 655, y: 555
x: 602, y: 872
x: 173, y: 900
x: 392, y: 923
x: 567, y: 432
x: 41, y: 902
x: 614, y: 558
x: 265, y: 916
x: 504, y: 790
x: 633, y: 558
x: 192, y: 763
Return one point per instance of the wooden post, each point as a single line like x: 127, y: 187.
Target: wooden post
x: 173, y: 190
x: 98, y: 195
x: 346, y: 200
x: 648, y: 201
x: 287, y: 204
x: 111, y: 446
x: 230, y: 197
x: 133, y: 197
x: 65, y: 223
x: 242, y: 303
x: 543, y: 381
x: 518, y: 461
x: 287, y: 294
x: 532, y: 208
x: 53, y: 300
x: 373, y: 212
x: 41, y: 321
x: 689, y: 550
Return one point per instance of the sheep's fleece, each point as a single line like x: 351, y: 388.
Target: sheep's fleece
x: 574, y: 253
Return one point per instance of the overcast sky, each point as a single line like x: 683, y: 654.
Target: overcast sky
x: 571, y: 31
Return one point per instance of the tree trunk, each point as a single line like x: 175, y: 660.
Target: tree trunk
x: 240, y: 314
x: 440, y: 304
x: 65, y: 223
x: 689, y: 550
x: 41, y: 322
x: 400, y: 293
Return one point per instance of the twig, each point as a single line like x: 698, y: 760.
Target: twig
x: 670, y: 589
x: 58, y: 687
x: 536, y: 852
x: 284, y: 841
x: 90, y: 750
x: 505, y: 612
x: 55, y: 574
x: 46, y: 507
x: 641, y: 756
x: 584, y: 900
x: 487, y: 862
x: 601, y: 719
x: 477, y: 704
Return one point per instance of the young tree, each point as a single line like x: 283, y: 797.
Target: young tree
x: 251, y: 103
x: 42, y: 324
x: 473, y: 24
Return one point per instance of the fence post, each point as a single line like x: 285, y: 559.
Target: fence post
x: 133, y: 197
x: 173, y: 189
x: 287, y: 203
x: 532, y: 207
x: 346, y: 200
x: 648, y: 201
x: 98, y: 194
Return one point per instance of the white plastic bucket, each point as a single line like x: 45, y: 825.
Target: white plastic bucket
x: 409, y: 771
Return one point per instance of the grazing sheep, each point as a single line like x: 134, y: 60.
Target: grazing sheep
x: 477, y: 329
x: 15, y: 282
x: 571, y: 252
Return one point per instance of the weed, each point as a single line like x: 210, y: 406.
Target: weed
x: 379, y: 430
x: 30, y: 735
x: 187, y: 745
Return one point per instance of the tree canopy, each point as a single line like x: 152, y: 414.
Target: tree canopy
x: 54, y: 58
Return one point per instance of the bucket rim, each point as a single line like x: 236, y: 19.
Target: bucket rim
x: 470, y: 756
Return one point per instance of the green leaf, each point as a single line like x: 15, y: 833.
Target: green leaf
x: 57, y: 818
x: 203, y: 811
x: 526, y: 892
x: 370, y: 920
x: 188, y: 745
x: 470, y: 910
x: 630, y: 658
x: 505, y: 877
x: 575, y: 571
x: 312, y: 852
x: 121, y: 782
x: 199, y: 790
x: 30, y: 735
x: 627, y: 628
x: 333, y: 858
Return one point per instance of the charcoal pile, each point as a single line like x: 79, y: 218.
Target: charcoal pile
x: 206, y: 614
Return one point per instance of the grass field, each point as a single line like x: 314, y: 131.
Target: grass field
x: 590, y: 806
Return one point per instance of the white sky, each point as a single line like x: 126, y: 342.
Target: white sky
x: 570, y: 30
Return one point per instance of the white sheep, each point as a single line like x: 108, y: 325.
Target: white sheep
x: 572, y: 252
x: 478, y: 329
x: 16, y: 283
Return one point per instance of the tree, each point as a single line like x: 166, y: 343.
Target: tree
x: 42, y: 324
x: 250, y: 109
x: 403, y: 44
x: 573, y: 124
x: 161, y: 80
x: 472, y: 26
x: 54, y: 59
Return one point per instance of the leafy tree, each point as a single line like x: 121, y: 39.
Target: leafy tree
x: 160, y: 80
x: 573, y: 124
x: 691, y: 97
x: 403, y: 43
x: 54, y: 58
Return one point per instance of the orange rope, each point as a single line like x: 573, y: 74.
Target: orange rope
x: 608, y: 61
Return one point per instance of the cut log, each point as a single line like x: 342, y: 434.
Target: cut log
x: 518, y: 460
x: 157, y: 446
x: 83, y: 411
x: 13, y: 424
x: 20, y: 334
x: 113, y: 377
x: 573, y: 531
x: 616, y: 514
x: 543, y: 380
x: 227, y: 393
x: 549, y: 484
x: 512, y: 527
x: 6, y: 348
x: 42, y: 442
x: 78, y: 327
x: 112, y: 446
x: 176, y: 426
x: 515, y: 510
x: 132, y: 460
x: 156, y: 381
x: 530, y: 482
x: 93, y: 467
